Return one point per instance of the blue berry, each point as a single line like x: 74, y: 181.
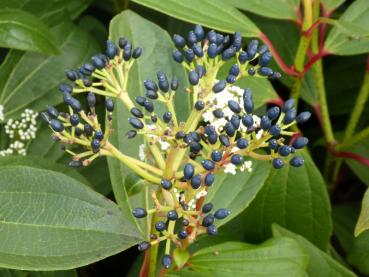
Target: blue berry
x: 198, y: 50
x: 219, y: 86
x: 251, y: 71
x: 212, y: 50
x: 213, y: 138
x: 182, y: 234
x: 290, y: 116
x: 74, y: 119
x: 228, y: 53
x: 152, y: 94
x: 149, y: 106
x: 131, y: 134
x: 234, y: 70
x: 209, y: 179
x: 212, y: 36
x: 98, y: 62
x: 273, y: 144
x: 139, y: 213
x: 242, y: 143
x: 179, y: 41
x: 207, y: 208
x: 75, y: 105
x: 136, y: 112
x: 284, y: 150
x: 224, y: 140
x: 160, y: 226
x: 167, y: 117
x: 300, y: 142
x: 297, y: 161
x: 166, y: 184
x: 200, y: 69
x: 142, y: 246
x: 237, y: 40
x: 136, y: 123
x: 273, y: 113
x: 137, y: 53
x: 150, y: 85
x: 229, y: 129
x: 265, y: 122
x: 111, y: 49
x: 277, y: 163
x: 247, y: 120
x: 71, y: 75
x: 209, y: 129
x: 236, y: 159
x: 193, y: 77
x: 262, y: 49
x: 208, y: 164
x: 208, y: 220
x: 303, y: 117
x: 180, y: 135
x: 172, y: 215
x: 95, y: 145
x: 252, y: 48
x: 199, y: 32
x: 196, y: 181
x: 188, y: 171
x: 66, y: 88
x: 140, y: 100
x: 216, y: 156
x: 234, y: 106
x: 243, y: 57
x: 88, y: 129
x: 91, y: 99
x: 163, y: 81
x: 221, y: 213
x: 99, y: 135
x: 109, y: 104
x: 174, y: 83
x: 265, y: 59
x: 190, y: 55
x: 191, y: 38
x: 248, y: 104
x: 218, y: 113
x: 199, y: 105
x: 127, y: 51
x: 275, y: 130
x: 177, y: 56
x: 166, y: 261
x: 122, y: 42
x: 219, y: 39
x: 52, y: 111
x: 195, y: 147
x: 288, y: 105
x: 235, y: 120
x: 56, y: 125
x: 265, y: 71
x: 212, y: 230
x: 231, y: 79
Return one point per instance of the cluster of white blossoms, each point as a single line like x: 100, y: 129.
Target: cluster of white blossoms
x: 20, y: 132
x: 232, y: 169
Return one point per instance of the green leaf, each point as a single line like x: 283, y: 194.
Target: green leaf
x: 275, y: 257
x: 180, y: 257
x: 339, y: 42
x: 19, y: 273
x: 295, y: 198
x: 320, y: 263
x: 215, y: 14
x: 236, y: 192
x: 33, y: 79
x: 363, y: 221
x: 24, y: 31
x: 50, y: 221
x: 358, y: 255
x: 157, y: 55
x: 331, y: 5
x: 279, y: 9
x: 362, y: 149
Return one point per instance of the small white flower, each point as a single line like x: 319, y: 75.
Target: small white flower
x: 247, y: 165
x: 164, y: 145
x: 259, y: 134
x: 230, y: 168
x: 141, y: 152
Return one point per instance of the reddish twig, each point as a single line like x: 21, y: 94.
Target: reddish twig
x: 322, y: 53
x: 277, y: 101
x: 353, y: 156
x: 318, y: 114
x: 145, y: 264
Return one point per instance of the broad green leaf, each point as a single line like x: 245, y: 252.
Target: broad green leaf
x: 358, y: 256
x: 215, y: 14
x: 320, y: 263
x: 339, y: 42
x: 157, y: 55
x: 279, y: 9
x: 295, y: 198
x: 236, y: 192
x: 275, y: 257
x: 33, y: 79
x: 331, y: 5
x: 24, y: 31
x: 362, y: 149
x: 50, y: 221
x: 363, y: 221
x: 19, y: 273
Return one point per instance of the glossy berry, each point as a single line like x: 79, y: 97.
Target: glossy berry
x: 88, y: 129
x: 127, y: 51
x: 193, y: 77
x: 273, y: 144
x: 182, y: 234
x: 234, y: 70
x: 228, y: 53
x: 152, y: 94
x: 163, y: 81
x: 216, y: 156
x: 95, y: 145
x: 111, y: 49
x: 303, y: 117
x: 242, y: 143
x: 160, y: 226
x: 109, y: 104
x: 198, y: 50
x: 252, y: 48
x: 262, y: 49
x: 142, y: 246
x: 251, y: 71
x: 209, y: 179
x: 273, y: 113
x: 208, y: 220
x: 229, y: 129
x: 177, y: 56
x: 297, y: 161
x: 140, y: 100
x: 99, y: 135
x: 219, y: 86
x: 234, y: 106
x: 212, y: 36
x: 290, y: 116
x: 275, y: 130
x: 218, y: 113
x: 172, y: 215
x: 75, y: 105
x: 52, y: 111
x: 166, y: 184
x: 137, y: 53
x: 242, y: 57
x: 174, y: 83
x: 122, y: 42
x: 277, y: 163
x: 212, y: 230
x: 150, y: 85
x: 167, y: 117
x: 221, y: 213
x: 288, y: 105
x: 189, y: 55
x: 300, y: 142
x: 139, y: 213
x: 284, y: 150
x: 136, y: 123
x: 149, y: 106
x: 199, y: 105
x: 231, y: 79
x: 137, y: 113
x: 179, y: 41
x: 247, y: 120
x: 208, y: 164
x: 207, y: 208
x: 236, y: 121
x: 265, y: 59
x: 236, y: 159
x: 185, y: 222
x: 166, y: 261
x: 196, y: 181
x: 199, y: 32
x: 98, y: 62
x: 265, y: 71
x: 131, y: 134
x: 71, y: 75
x: 212, y: 50
x: 248, y: 104
x: 74, y: 119
x: 265, y: 122
x: 224, y: 140
x: 56, y: 125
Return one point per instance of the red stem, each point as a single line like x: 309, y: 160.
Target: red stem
x: 318, y: 114
x: 145, y: 264
x: 353, y: 156
x: 322, y: 53
x: 277, y: 101
x: 287, y: 69
x: 367, y: 64
x: 313, y: 26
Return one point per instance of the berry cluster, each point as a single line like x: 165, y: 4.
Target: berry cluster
x: 221, y: 134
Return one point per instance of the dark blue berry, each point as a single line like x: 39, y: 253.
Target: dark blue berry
x: 179, y: 41
x: 209, y: 129
x: 212, y: 50
x: 98, y: 62
x: 234, y: 106
x: 109, y: 104
x: 231, y: 79
x: 198, y: 50
x: 71, y: 75
x: 182, y: 234
x: 151, y: 94
x: 160, y: 226
x: 172, y: 215
x: 87, y: 82
x: 236, y: 159
x: 207, y: 208
x: 248, y: 104
x: 149, y: 106
x: 212, y: 230
x: 262, y: 49
x: 193, y: 77
x: 122, y: 42
x: 251, y: 71
x: 303, y: 117
x: 199, y: 105
x: 191, y: 38
x: 140, y: 100
x: 300, y: 142
x: 131, y: 134
x: 252, y: 48
x: 75, y: 105
x: 284, y: 150
x: 209, y: 179
x: 56, y: 125
x: 196, y: 181
x: 180, y: 135
x: 95, y: 145
x: 111, y: 49
x: 52, y: 111
x: 265, y: 71
x: 136, y: 123
x: 190, y: 55
x: 234, y: 70
x: 221, y: 213
x: 219, y: 86
x: 99, y: 135
x: 277, y: 163
x: 200, y: 69
x: 139, y: 213
x: 199, y: 32
x: 166, y: 184
x: 297, y: 161
x: 216, y: 156
x: 163, y: 81
x: 212, y: 36
x: 229, y: 129
x: 167, y: 117
x: 218, y: 113
x: 66, y: 88
x: 188, y: 171
x: 136, y: 112
x: 177, y: 56
x: 242, y: 143
x: 243, y: 57
x: 137, y: 53
x: 174, y: 83
x: 290, y: 116
x: 150, y: 85
x: 213, y: 138
x: 74, y: 119
x: 235, y: 120
x: 142, y: 246
x: 273, y: 144
x: 208, y: 164
x: 224, y: 140
x: 288, y: 105
x: 91, y: 99
x: 219, y: 39
x: 247, y: 120
x: 265, y: 59
x: 166, y: 261
x: 228, y: 53
x: 275, y: 130
x: 273, y: 113
x: 265, y: 122
x: 208, y: 220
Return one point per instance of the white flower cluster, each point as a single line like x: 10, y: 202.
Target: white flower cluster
x: 192, y: 202
x: 19, y: 132
x: 164, y: 145
x: 220, y: 101
x: 2, y: 115
x: 232, y: 169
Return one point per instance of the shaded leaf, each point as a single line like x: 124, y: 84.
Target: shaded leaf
x: 57, y: 223
x: 363, y: 221
x: 332, y: 4
x: 361, y: 148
